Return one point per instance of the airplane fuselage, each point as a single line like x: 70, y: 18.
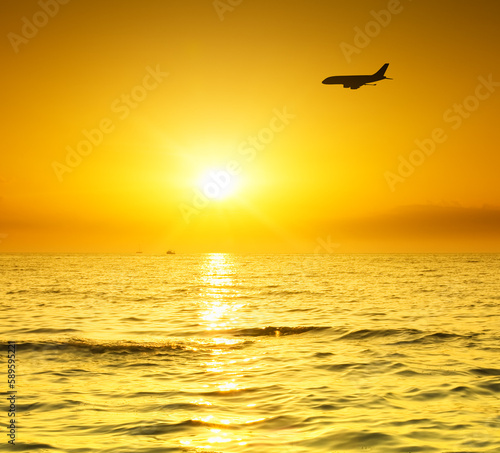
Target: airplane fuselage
x: 355, y: 81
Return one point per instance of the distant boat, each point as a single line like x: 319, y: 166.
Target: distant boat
x: 170, y: 252
x: 138, y: 252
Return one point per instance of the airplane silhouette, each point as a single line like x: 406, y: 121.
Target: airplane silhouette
x: 355, y: 81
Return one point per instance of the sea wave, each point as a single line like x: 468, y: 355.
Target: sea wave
x: 275, y: 331
x: 129, y: 346
x: 406, y: 336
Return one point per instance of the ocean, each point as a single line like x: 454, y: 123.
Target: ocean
x: 251, y: 353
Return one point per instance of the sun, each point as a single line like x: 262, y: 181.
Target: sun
x: 218, y: 184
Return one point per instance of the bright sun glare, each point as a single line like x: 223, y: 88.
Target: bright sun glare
x: 217, y: 184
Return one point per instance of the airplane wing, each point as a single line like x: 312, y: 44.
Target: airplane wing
x: 353, y: 85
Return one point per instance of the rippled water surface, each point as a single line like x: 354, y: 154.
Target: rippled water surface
x: 269, y: 353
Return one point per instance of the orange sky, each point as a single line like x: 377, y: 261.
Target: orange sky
x: 118, y: 115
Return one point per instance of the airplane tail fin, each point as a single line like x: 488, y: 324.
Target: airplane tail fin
x: 381, y: 71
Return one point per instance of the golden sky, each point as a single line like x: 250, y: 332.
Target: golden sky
x: 203, y: 126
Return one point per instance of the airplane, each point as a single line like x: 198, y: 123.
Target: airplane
x: 355, y: 81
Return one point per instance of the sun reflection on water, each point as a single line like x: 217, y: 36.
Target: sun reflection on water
x: 219, y: 294
x: 219, y: 311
